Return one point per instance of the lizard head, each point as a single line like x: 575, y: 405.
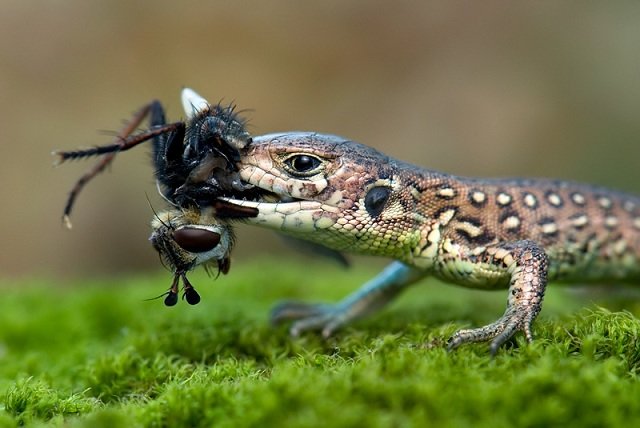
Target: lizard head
x: 328, y: 190
x: 317, y: 187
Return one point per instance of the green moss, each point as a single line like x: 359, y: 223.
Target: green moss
x: 99, y: 354
x: 31, y: 399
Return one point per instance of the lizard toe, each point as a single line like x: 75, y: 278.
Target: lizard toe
x: 309, y: 317
x: 311, y: 324
x: 328, y: 323
x: 292, y: 311
x: 498, y: 333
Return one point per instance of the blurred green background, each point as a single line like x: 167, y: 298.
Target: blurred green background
x: 473, y: 88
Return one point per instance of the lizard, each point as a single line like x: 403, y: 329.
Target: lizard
x: 481, y: 233
x: 517, y: 234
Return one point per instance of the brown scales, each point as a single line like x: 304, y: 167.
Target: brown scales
x: 595, y: 230
x: 489, y: 234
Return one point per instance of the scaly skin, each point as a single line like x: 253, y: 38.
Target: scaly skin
x: 489, y: 234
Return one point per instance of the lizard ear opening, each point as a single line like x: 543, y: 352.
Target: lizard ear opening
x: 376, y: 199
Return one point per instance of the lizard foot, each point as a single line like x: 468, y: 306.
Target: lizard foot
x: 309, y: 317
x: 497, y: 332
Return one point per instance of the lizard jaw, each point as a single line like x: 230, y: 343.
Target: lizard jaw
x: 291, y: 216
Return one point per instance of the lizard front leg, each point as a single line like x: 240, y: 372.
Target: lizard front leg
x: 371, y: 297
x: 526, y: 264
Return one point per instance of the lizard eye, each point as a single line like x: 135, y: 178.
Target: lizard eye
x: 303, y: 165
x: 196, y: 240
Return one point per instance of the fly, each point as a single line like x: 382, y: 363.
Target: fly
x: 195, y: 163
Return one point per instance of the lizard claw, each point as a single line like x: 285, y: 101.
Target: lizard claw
x: 497, y: 332
x: 310, y: 317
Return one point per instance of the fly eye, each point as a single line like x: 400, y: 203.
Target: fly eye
x: 196, y: 240
x: 303, y: 165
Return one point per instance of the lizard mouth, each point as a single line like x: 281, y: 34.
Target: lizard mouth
x: 268, y: 208
x: 282, y: 201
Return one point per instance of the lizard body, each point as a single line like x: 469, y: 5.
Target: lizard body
x: 481, y: 233
x: 498, y: 233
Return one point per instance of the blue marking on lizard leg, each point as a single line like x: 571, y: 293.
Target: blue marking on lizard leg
x: 372, y: 296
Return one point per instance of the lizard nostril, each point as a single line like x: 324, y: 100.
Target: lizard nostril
x: 376, y: 199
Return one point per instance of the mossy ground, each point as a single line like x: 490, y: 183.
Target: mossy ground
x: 97, y: 354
